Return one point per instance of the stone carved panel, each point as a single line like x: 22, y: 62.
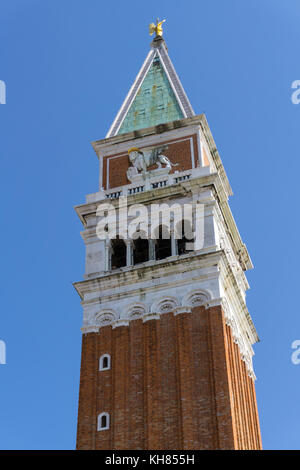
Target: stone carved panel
x: 165, y: 305
x: 136, y: 310
x: 196, y: 298
x: 106, y: 317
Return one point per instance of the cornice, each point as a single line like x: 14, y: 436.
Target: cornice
x: 179, y: 189
x: 148, y: 271
x: 102, y: 144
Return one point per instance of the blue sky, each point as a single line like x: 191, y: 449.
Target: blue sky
x: 68, y: 65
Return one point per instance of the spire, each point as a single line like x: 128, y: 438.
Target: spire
x: 156, y: 96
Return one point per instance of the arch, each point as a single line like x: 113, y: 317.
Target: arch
x: 104, y: 362
x: 196, y: 298
x: 106, y: 317
x: 163, y: 243
x: 103, y: 421
x: 184, y: 236
x: 118, y: 252
x: 136, y: 310
x: 165, y: 305
x: 140, y: 246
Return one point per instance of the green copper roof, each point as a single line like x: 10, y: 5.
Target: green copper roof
x: 155, y: 102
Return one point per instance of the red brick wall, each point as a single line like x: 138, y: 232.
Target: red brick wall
x: 246, y: 428
x: 178, y: 152
x: 174, y: 383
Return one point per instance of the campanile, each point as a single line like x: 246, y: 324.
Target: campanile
x: 166, y: 337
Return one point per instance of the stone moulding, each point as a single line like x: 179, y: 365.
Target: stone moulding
x: 179, y: 310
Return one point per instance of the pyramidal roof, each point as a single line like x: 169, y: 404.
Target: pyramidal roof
x: 156, y: 96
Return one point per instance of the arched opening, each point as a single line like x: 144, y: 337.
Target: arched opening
x: 140, y: 248
x: 163, y: 246
x: 185, y: 237
x: 103, y: 421
x: 118, y: 253
x: 104, y: 362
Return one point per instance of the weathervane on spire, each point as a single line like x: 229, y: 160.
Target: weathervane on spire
x: 156, y: 28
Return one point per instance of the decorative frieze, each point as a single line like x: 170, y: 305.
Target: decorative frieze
x: 167, y: 304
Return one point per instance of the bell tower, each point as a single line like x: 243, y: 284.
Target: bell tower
x: 166, y: 337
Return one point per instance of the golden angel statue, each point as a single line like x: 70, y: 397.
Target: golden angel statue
x: 156, y: 28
